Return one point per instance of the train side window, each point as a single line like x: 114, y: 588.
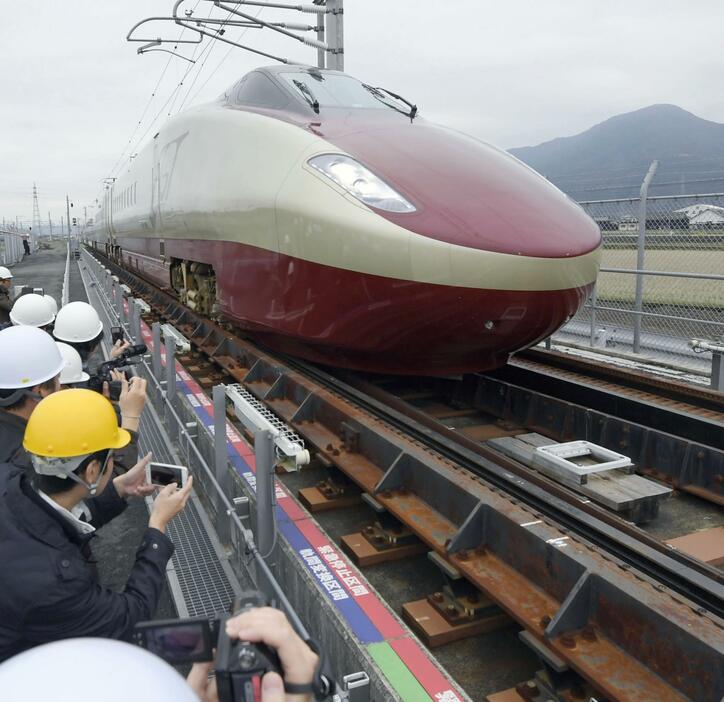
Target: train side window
x: 258, y: 90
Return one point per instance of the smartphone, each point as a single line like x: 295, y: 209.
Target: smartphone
x: 116, y: 334
x: 164, y: 473
x: 178, y: 641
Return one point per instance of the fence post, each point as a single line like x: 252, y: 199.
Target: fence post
x: 594, y: 304
x: 135, y: 321
x: 169, y: 345
x: 221, y: 461
x: 265, y: 498
x: 639, y: 301
x: 156, y: 358
x: 118, y: 301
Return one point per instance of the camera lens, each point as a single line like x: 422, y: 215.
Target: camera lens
x: 247, y: 658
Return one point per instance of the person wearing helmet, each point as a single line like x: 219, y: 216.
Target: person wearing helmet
x: 79, y: 325
x: 6, y: 300
x: 51, y: 591
x: 51, y: 303
x: 120, y: 671
x: 32, y: 310
x: 72, y: 373
x: 152, y: 679
x: 30, y: 368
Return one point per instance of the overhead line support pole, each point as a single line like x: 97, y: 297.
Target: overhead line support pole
x: 335, y: 34
x: 640, y: 255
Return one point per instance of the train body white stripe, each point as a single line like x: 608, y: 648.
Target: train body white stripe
x: 221, y: 174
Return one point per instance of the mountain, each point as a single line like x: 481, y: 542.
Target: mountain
x: 610, y: 159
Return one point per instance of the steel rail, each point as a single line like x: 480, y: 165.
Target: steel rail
x: 629, y: 378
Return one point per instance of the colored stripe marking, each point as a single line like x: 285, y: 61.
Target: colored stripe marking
x: 404, y: 682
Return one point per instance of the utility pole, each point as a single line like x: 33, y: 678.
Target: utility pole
x: 50, y: 226
x: 67, y: 211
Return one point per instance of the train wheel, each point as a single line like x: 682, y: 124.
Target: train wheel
x: 195, y: 285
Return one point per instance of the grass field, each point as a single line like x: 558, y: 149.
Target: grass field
x: 665, y: 290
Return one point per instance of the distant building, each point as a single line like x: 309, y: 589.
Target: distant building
x: 703, y: 216
x: 628, y: 224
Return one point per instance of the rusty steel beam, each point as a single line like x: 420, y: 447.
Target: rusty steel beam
x: 620, y: 629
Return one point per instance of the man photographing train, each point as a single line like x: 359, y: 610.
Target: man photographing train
x: 50, y: 590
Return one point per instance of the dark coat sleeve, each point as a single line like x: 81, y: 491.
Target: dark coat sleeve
x: 108, y: 505
x: 125, y: 458
x: 6, y: 303
x: 78, y: 606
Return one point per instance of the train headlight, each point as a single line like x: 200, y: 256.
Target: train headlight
x: 360, y: 182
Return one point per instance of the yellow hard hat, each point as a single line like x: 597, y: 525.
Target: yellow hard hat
x: 73, y: 423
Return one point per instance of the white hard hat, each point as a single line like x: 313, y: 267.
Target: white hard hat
x: 52, y: 303
x: 5, y: 273
x: 29, y: 357
x: 73, y: 365
x: 64, y: 671
x: 31, y: 310
x: 77, y: 322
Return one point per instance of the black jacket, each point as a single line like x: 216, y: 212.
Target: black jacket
x: 6, y: 304
x: 48, y: 590
x: 12, y: 430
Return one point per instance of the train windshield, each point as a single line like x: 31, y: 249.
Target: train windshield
x: 330, y: 90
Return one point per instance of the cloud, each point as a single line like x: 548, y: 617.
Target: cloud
x: 512, y: 74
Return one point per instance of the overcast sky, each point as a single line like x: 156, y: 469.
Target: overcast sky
x: 512, y: 73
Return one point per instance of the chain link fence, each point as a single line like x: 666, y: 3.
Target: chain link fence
x: 662, y: 278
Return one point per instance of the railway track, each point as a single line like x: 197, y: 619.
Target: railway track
x: 592, y: 590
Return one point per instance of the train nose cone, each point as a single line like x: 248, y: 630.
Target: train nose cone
x: 474, y: 195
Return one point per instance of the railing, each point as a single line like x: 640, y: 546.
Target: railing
x: 662, y: 278
x: 184, y: 430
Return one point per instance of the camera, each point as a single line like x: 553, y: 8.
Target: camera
x: 240, y: 665
x: 161, y: 474
x: 116, y: 334
x: 103, y: 374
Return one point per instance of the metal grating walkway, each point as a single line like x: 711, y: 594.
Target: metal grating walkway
x: 206, y: 586
x: 200, y: 577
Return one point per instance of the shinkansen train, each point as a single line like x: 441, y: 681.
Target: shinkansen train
x: 328, y: 219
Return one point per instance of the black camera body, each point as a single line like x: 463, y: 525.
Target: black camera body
x: 239, y: 665
x: 103, y: 374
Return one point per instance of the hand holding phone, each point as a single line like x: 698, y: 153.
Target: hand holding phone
x: 162, y: 474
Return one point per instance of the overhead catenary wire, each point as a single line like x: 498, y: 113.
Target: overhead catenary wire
x: 148, y: 102
x: 218, y: 66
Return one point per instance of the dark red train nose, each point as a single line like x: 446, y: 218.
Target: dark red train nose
x: 469, y: 193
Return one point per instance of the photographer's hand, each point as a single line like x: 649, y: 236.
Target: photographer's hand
x: 118, y: 348
x: 199, y: 682
x: 132, y: 401
x: 271, y: 627
x: 169, y: 502
x: 133, y: 483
